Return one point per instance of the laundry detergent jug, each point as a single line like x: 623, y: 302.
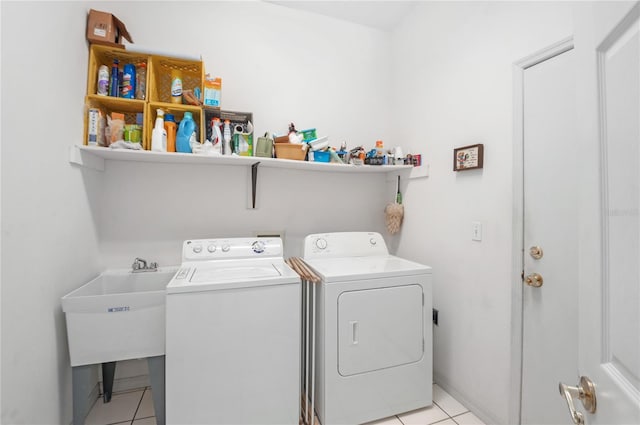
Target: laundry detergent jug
x: 186, y: 128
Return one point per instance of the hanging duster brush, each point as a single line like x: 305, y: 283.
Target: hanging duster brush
x: 394, y: 213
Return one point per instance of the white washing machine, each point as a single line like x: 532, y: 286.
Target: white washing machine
x: 233, y: 335
x: 373, y: 339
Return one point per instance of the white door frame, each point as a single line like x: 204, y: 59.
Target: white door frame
x: 518, y: 218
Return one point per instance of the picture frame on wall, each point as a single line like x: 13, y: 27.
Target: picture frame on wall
x: 468, y: 157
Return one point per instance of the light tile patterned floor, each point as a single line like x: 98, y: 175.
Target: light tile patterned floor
x: 131, y: 407
x: 136, y: 408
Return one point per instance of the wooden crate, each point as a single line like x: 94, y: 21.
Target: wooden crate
x: 160, y: 69
x: 128, y: 107
x: 104, y: 55
x: 177, y: 111
x: 158, y: 88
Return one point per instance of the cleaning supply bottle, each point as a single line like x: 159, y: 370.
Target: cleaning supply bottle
x: 103, y: 80
x: 185, y: 129
x: 170, y: 126
x: 159, y: 134
x: 141, y: 81
x: 216, y: 135
x: 114, y: 87
x: 176, y: 86
x: 226, y: 137
x: 129, y: 81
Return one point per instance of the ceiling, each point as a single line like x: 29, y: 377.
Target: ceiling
x: 382, y: 15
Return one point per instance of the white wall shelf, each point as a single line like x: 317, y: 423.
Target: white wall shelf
x: 94, y: 158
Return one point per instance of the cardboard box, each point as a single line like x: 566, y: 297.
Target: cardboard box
x: 105, y: 28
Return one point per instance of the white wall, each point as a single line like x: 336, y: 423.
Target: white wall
x: 49, y: 239
x: 452, y: 86
x: 282, y: 65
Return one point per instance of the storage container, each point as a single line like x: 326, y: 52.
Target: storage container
x: 107, y: 105
x: 322, y: 156
x: 294, y: 151
x: 160, y: 72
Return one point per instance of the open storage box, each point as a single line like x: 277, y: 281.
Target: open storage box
x: 296, y: 151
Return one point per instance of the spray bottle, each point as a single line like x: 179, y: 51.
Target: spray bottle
x: 159, y: 134
x: 226, y: 148
x: 216, y: 136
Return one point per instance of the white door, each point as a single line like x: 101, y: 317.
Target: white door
x: 550, y: 311
x: 607, y: 40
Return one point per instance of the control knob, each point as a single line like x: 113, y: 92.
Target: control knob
x: 372, y: 241
x: 211, y: 248
x: 197, y: 249
x: 258, y: 247
x: 226, y: 247
x: 321, y: 243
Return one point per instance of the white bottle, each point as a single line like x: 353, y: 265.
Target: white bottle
x: 103, y: 80
x: 159, y: 134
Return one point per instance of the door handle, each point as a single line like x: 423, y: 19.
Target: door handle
x: 585, y: 391
x: 354, y: 332
x: 536, y: 252
x: 534, y: 279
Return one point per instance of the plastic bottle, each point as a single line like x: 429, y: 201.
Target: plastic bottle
x: 103, y: 80
x: 170, y: 126
x: 185, y: 129
x: 141, y: 81
x: 216, y: 135
x: 159, y: 134
x: 226, y: 137
x: 379, y: 148
x: 129, y: 81
x: 176, y: 86
x: 114, y: 88
x: 380, y: 153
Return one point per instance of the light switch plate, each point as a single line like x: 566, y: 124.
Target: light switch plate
x: 476, y: 231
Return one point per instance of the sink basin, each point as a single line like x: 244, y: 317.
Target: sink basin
x: 119, y: 315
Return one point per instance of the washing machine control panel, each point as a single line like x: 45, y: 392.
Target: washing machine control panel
x: 232, y: 248
x: 344, y: 244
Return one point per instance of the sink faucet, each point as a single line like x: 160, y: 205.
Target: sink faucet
x: 140, y: 265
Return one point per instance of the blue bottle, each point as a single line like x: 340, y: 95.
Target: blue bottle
x: 129, y: 81
x: 114, y: 87
x: 185, y: 130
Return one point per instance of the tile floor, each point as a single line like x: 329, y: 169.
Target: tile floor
x: 136, y: 408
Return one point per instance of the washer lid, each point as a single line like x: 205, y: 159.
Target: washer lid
x: 219, y: 275
x: 352, y: 268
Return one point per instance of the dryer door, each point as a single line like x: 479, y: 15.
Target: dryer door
x: 379, y: 328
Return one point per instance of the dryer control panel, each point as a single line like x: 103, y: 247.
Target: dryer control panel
x: 344, y: 244
x: 231, y: 248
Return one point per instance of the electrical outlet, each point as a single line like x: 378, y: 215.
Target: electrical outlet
x: 435, y: 316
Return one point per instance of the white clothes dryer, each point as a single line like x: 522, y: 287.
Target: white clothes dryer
x: 373, y: 339
x: 233, y: 335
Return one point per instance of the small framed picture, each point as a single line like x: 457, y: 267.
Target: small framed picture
x: 468, y: 157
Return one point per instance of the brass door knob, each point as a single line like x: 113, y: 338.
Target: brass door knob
x: 534, y: 279
x: 536, y: 252
x: 585, y: 391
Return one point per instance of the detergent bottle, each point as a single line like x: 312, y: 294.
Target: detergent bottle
x: 171, y: 127
x: 185, y: 129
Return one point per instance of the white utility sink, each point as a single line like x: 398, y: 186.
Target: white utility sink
x: 119, y: 315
